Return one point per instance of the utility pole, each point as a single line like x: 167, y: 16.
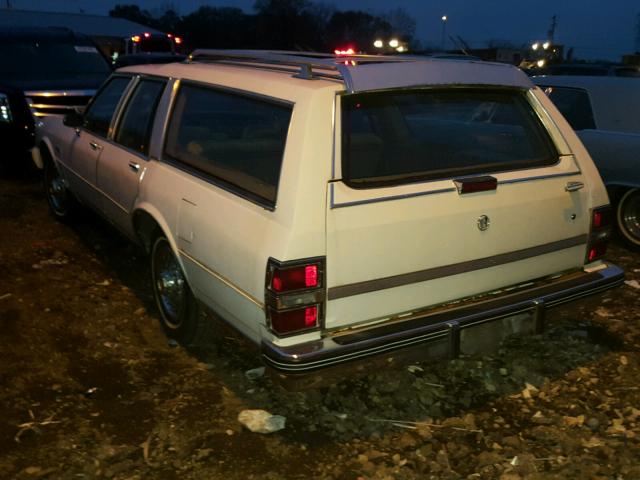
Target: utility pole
x: 552, y: 29
x: 638, y: 35
x: 444, y: 31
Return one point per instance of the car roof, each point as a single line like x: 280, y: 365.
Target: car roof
x: 357, y: 73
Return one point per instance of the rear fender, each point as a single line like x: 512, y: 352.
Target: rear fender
x: 591, y: 176
x: 147, y: 221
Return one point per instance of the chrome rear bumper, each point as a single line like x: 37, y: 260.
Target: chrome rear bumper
x: 441, y: 328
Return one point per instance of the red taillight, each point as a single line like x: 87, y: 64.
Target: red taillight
x: 597, y: 219
x: 597, y: 251
x: 295, y: 295
x: 311, y: 276
x: 178, y: 40
x: 296, y: 320
x: 294, y: 278
x: 601, y: 218
x: 147, y: 34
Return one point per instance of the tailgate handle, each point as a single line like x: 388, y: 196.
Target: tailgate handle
x: 476, y: 184
x: 573, y: 186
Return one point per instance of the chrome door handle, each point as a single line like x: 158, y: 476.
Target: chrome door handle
x: 573, y: 186
x: 95, y: 146
x: 135, y: 167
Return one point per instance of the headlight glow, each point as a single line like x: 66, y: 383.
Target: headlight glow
x: 5, y: 111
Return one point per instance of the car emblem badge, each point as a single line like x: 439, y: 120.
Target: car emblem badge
x: 483, y: 222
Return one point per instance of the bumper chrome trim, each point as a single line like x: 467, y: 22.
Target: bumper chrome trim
x: 445, y: 324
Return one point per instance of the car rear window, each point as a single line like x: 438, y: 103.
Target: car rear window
x: 234, y: 140
x: 401, y: 137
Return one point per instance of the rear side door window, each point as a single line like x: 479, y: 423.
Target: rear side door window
x: 97, y: 118
x: 134, y: 130
x: 574, y: 104
x: 232, y: 140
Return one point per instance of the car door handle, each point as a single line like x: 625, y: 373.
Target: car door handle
x: 95, y: 146
x: 135, y: 167
x: 573, y: 186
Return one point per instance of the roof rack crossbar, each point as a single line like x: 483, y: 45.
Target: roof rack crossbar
x: 294, y: 70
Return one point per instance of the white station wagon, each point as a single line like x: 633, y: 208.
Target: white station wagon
x: 337, y: 208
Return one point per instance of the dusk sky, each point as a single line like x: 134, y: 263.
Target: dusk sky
x: 595, y: 29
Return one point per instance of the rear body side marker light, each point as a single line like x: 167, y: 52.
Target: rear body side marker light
x: 484, y: 183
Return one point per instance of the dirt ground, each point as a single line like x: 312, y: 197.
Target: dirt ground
x: 90, y: 387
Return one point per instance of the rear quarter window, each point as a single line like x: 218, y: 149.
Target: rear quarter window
x: 401, y: 137
x: 233, y: 140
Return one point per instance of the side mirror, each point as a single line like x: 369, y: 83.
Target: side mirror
x: 73, y: 119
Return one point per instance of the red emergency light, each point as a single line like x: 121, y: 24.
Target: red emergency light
x: 346, y: 51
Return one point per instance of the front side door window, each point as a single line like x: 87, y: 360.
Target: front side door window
x: 97, y: 118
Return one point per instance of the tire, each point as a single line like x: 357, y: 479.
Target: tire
x: 181, y: 316
x: 628, y: 217
x: 62, y: 203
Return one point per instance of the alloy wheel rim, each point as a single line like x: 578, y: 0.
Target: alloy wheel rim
x: 57, y: 192
x: 631, y: 216
x: 170, y: 285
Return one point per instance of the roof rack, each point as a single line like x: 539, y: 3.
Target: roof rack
x: 348, y: 69
x: 305, y: 65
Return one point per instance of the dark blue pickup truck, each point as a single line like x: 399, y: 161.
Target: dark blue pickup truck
x: 43, y: 71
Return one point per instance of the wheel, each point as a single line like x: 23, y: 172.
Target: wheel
x: 180, y: 314
x: 61, y: 202
x: 628, y: 216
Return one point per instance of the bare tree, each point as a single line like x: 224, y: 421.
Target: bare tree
x: 402, y: 23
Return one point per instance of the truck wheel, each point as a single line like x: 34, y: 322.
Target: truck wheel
x: 180, y: 314
x: 61, y: 202
x: 628, y: 216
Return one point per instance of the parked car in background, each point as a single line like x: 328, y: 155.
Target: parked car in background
x: 146, y: 58
x: 43, y: 71
x: 604, y: 113
x: 336, y: 208
x: 590, y: 69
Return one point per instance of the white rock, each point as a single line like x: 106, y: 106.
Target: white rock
x: 254, y: 373
x: 261, y: 421
x: 632, y: 283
